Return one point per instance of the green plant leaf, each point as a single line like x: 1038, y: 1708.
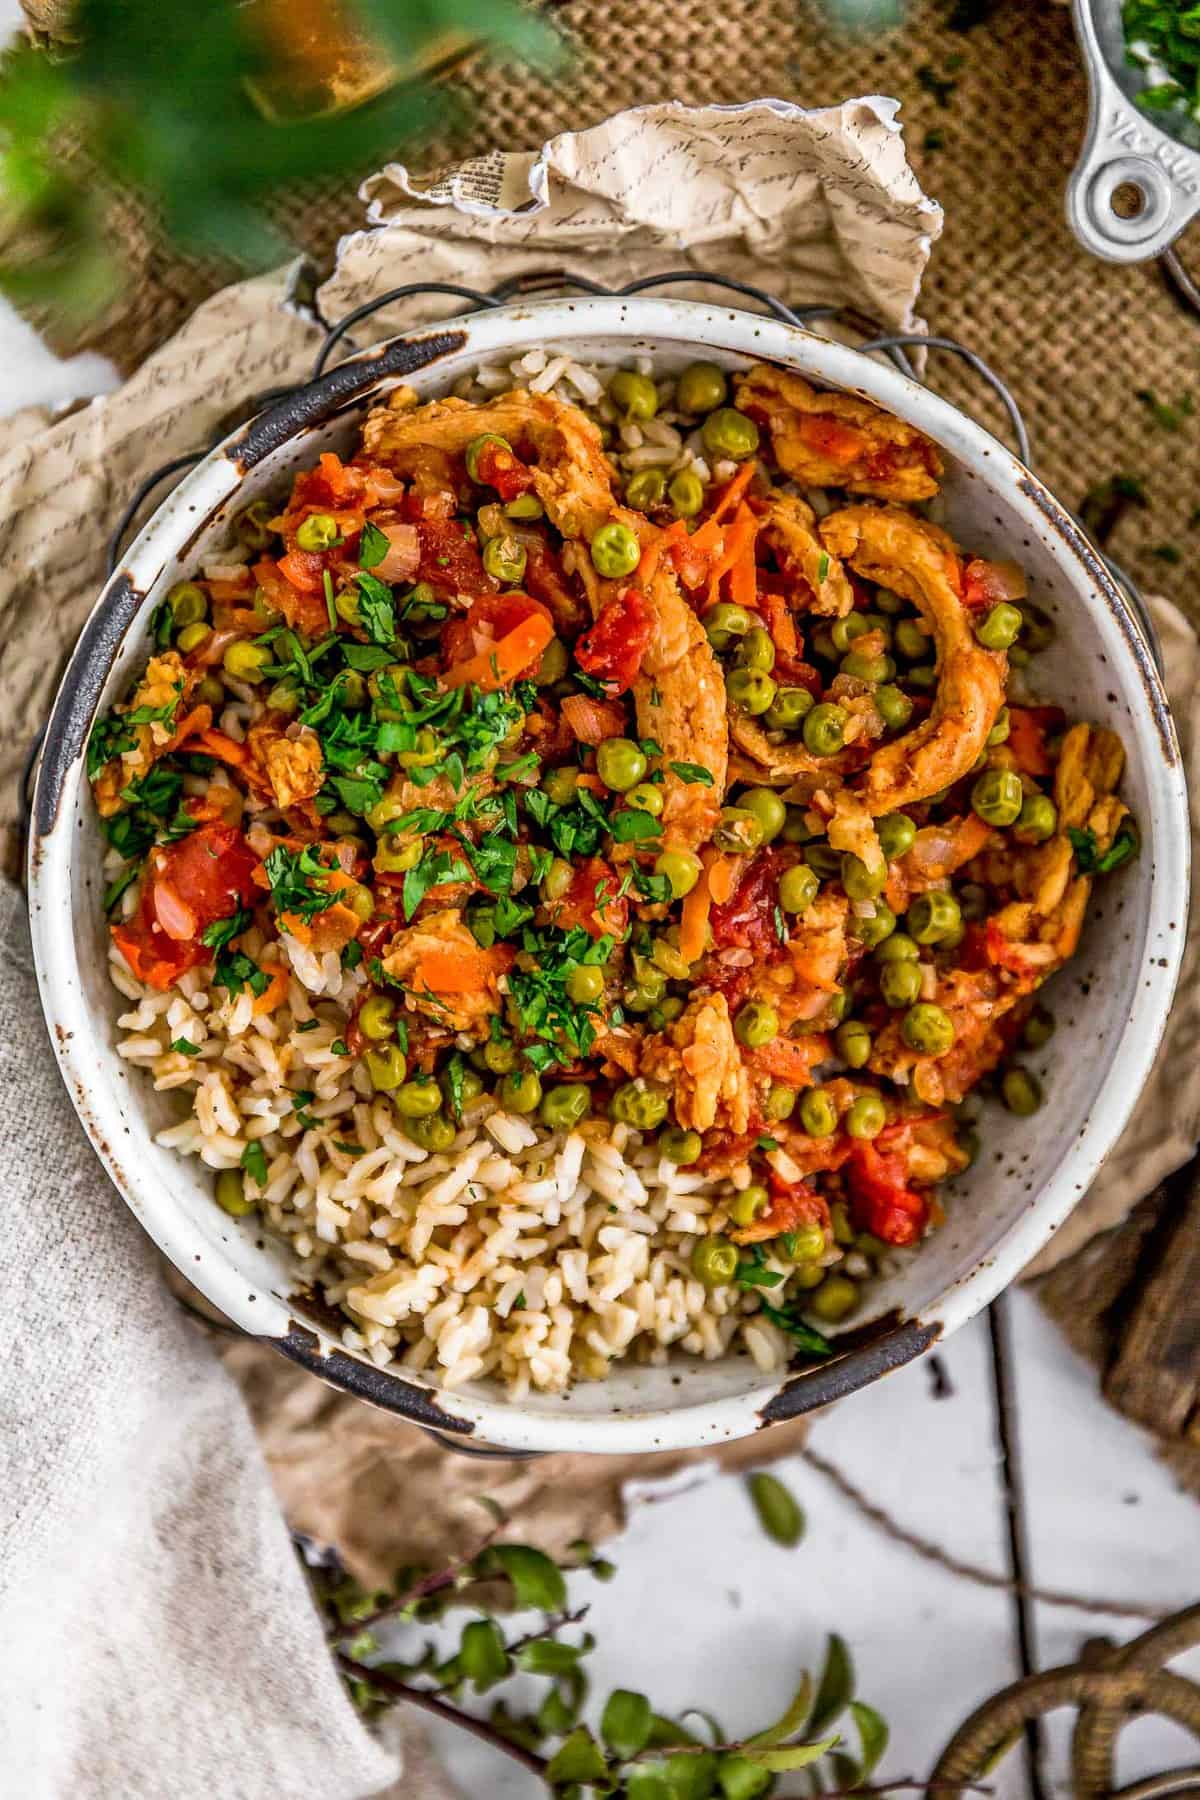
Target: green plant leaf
x: 548, y: 1657
x: 791, y: 1720
x: 836, y: 1686
x: 779, y: 1513
x: 872, y: 1736
x: 535, y: 1579
x: 626, y: 1721
x: 482, y: 1656
x: 578, y: 1758
x: 791, y: 1756
x: 741, y: 1779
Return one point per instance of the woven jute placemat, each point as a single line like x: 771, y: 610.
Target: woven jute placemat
x: 993, y: 118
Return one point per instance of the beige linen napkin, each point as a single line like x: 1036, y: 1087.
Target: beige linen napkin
x: 155, y: 1636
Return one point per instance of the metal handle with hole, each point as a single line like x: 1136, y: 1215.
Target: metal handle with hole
x: 1125, y: 150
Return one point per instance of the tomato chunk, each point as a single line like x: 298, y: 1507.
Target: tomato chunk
x: 187, y: 887
x: 450, y: 560
x: 592, y: 901
x: 503, y: 470
x: 881, y: 1201
x: 747, y: 919
x: 614, y: 647
x: 492, y: 617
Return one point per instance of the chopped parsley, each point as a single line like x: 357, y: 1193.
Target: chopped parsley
x: 822, y: 567
x: 185, y: 1047
x: 767, y: 1143
x: 753, y: 1274
x: 373, y: 546
x: 434, y: 868
x: 453, y: 1074
x: 330, y: 608
x: 539, y: 998
x: 631, y: 826
x: 693, y: 772
x: 114, y: 735
x: 655, y: 890
x: 803, y: 1336
x: 237, y: 971
x: 254, y: 1161
x: 1123, y: 849
x: 223, y: 931
x: 308, y: 1025
x: 338, y: 1047
x: 376, y: 609
x: 116, y: 888
x: 293, y: 875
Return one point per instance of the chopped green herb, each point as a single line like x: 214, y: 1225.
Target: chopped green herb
x: 308, y: 1025
x: 630, y: 826
x: 803, y: 1336
x: 185, y: 1047
x: 293, y: 875
x: 236, y: 971
x: 352, y: 954
x: 115, y: 889
x: 330, y: 608
x: 693, y: 772
x: 254, y: 1161
x: 114, y: 735
x: 434, y: 868
x: 752, y: 1274
x: 767, y: 1143
x: 822, y: 567
x: 373, y: 546
x: 338, y: 1047
x: 1123, y: 849
x: 223, y: 931
x: 376, y: 609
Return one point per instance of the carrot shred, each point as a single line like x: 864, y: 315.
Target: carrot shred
x: 693, y: 923
x: 456, y: 972
x: 722, y: 878
x: 733, y: 493
x: 212, y: 742
x: 273, y: 995
x: 738, y: 543
x: 191, y: 725
x: 506, y: 660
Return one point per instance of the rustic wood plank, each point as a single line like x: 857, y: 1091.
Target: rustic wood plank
x: 1155, y: 1376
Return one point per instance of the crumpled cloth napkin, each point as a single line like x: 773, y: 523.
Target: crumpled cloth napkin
x: 156, y: 1634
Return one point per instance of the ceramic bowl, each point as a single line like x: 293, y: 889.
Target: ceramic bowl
x: 1111, y: 1001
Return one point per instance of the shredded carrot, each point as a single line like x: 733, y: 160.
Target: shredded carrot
x: 212, y: 742
x: 722, y: 877
x: 506, y: 660
x: 780, y: 623
x: 652, y: 555
x: 738, y: 543
x: 273, y: 995
x: 693, y: 923
x: 458, y: 972
x: 733, y: 493
x: 191, y: 725
x: 743, y: 581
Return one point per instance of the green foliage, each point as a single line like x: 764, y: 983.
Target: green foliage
x: 634, y: 1753
x: 168, y: 100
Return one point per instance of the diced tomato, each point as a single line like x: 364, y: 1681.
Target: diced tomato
x: 747, y: 919
x: 503, y: 470
x: 614, y: 647
x: 187, y: 886
x: 305, y: 569
x: 591, y: 901
x: 1002, y: 953
x: 449, y: 559
x: 1028, y: 729
x: 793, y: 1203
x: 987, y: 583
x: 491, y: 617
x: 544, y: 577
x: 307, y: 612
x: 881, y: 1201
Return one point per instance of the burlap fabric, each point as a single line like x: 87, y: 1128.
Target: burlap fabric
x: 1075, y: 338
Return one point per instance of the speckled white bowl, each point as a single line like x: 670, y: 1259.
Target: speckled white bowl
x: 1111, y: 1002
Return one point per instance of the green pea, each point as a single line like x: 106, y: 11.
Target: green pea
x: 860, y: 882
x: 211, y: 692
x: 428, y: 750
x: 756, y: 650
x: 867, y: 1117
x: 641, y: 1103
x: 525, y: 506
x: 191, y: 638
x: 889, y: 602
x: 796, y: 828
x: 844, y: 631
x: 788, y: 708
x: 585, y: 984
x: 520, y: 1091
x: 872, y: 669
x: 670, y: 1009
x: 896, y: 833
x: 386, y: 687
x: 922, y: 675
x: 432, y: 1132
x: 679, y: 1146
x: 377, y: 1017
x: 999, y: 628
x: 682, y: 870
x: 728, y: 433
x: 1037, y: 820
x: 557, y: 879
x: 418, y: 1098
x: 821, y: 644
x: 798, y: 888
x: 245, y: 661
x: 767, y: 808
x: 998, y: 797
x: 738, y: 830
x: 633, y: 394
x: 232, y: 1197
x: 387, y: 1069
x: 467, y: 1089
x: 564, y: 1105
x: 559, y: 785
x: 615, y: 550
x: 808, y: 1242
x: 834, y: 1299
x: 926, y: 1027
x: 554, y: 663
x: 1021, y: 1092
x: 750, y: 690
x: 911, y: 642
x: 876, y: 929
x: 188, y: 604
x: 620, y: 764
x: 825, y: 729
x: 835, y: 1012
x: 779, y: 1101
x: 318, y: 532
x: 686, y: 494
x: 818, y: 1114
x: 933, y: 917
x: 823, y: 860
x: 756, y: 1024
x: 893, y: 706
x: 1039, y: 1028
x: 701, y: 388
x: 645, y: 489
x: 853, y: 1042
x: 898, y: 947
x: 348, y: 606
x: 745, y: 1206
x: 714, y: 1261
x: 500, y: 1055
x: 1000, y: 730
x: 645, y: 797
x: 504, y: 558
x: 252, y: 525
x: 477, y: 445
x: 724, y: 623
x: 900, y: 983
x: 263, y: 608
x: 670, y: 959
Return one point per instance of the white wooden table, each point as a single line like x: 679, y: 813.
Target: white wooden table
x: 706, y: 1612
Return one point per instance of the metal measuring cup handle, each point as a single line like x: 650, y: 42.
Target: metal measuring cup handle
x: 1125, y: 149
